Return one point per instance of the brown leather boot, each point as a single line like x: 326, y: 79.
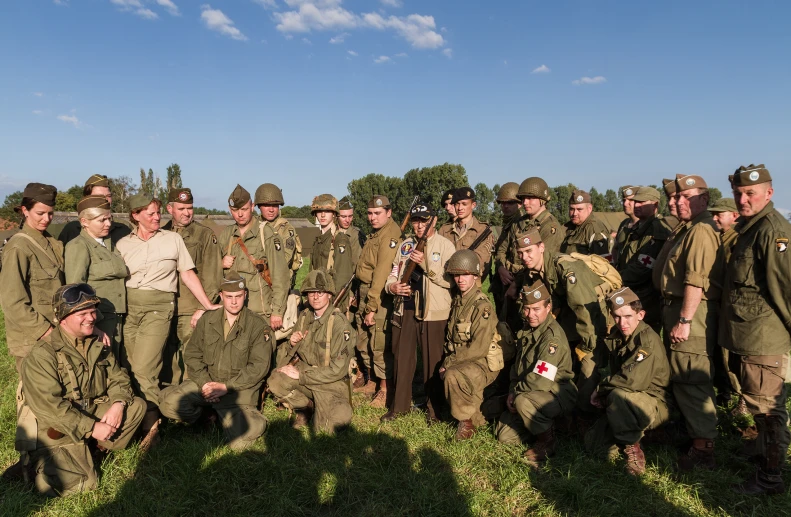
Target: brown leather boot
x: 18, y: 472
x: 150, y: 429
x: 302, y: 416
x: 359, y: 380
x: 700, y: 455
x: 369, y: 388
x: 768, y: 479
x: 635, y: 459
x: 465, y: 430
x: 543, y: 448
x: 379, y: 400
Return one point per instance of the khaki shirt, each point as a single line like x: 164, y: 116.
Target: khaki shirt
x: 261, y: 298
x: 639, y: 253
x: 638, y: 364
x: 549, y: 228
x: 48, y: 387
x: 690, y: 257
x: 376, y: 261
x: 291, y: 248
x: 102, y: 267
x: 471, y: 328
x: 357, y: 240
x: 537, y: 348
x: 728, y: 238
x: 589, y: 238
x: 621, y: 235
x: 756, y: 305
x: 154, y: 264
x: 205, y: 252
x: 332, y: 250
x: 28, y: 280
x: 463, y: 237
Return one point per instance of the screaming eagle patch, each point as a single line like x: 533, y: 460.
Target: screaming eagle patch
x: 782, y: 245
x: 393, y: 243
x: 346, y: 335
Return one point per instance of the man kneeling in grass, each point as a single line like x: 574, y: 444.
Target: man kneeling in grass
x: 226, y: 360
x: 636, y: 393
x: 542, y: 386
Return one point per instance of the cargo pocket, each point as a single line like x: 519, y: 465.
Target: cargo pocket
x: 65, y: 469
x: 464, y: 331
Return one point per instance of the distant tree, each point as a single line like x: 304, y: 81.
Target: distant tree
x: 612, y: 201
x: 76, y: 192
x: 497, y: 214
x: 363, y: 189
x: 200, y: 210
x: 122, y: 188
x: 598, y: 201
x: 297, y: 212
x: 173, y: 176
x: 12, y: 201
x: 430, y: 182
x: 484, y: 210
x: 559, y: 204
x: 714, y: 195
x: 65, y: 202
x: 151, y: 185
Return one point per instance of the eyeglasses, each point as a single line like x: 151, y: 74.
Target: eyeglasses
x: 77, y: 293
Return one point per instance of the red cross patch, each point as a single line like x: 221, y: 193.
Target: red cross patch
x: 646, y: 260
x: 545, y: 369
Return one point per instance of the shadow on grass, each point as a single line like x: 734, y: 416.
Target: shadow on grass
x: 295, y: 474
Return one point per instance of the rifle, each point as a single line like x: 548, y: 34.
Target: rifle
x: 409, y: 269
x: 340, y: 296
x: 482, y: 237
x: 406, y: 217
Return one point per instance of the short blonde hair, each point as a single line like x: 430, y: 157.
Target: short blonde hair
x: 89, y: 214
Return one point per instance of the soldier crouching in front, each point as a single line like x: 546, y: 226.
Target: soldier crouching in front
x: 636, y: 393
x: 542, y: 385
x: 315, y: 379
x: 465, y: 370
x: 62, y: 435
x: 227, y: 359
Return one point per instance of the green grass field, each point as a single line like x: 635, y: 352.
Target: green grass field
x: 400, y: 468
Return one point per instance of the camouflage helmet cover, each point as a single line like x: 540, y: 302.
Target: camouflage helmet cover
x: 318, y: 281
x: 269, y: 194
x: 463, y: 262
x: 324, y: 202
x: 534, y: 187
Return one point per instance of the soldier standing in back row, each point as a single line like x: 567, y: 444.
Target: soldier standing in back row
x: 202, y: 246
x: 376, y: 305
x: 356, y: 237
x: 756, y: 321
x: 512, y: 212
x: 584, y: 233
x: 690, y: 283
x: 467, y: 229
x: 269, y: 199
x: 332, y: 249
x: 627, y: 193
x: 96, y: 185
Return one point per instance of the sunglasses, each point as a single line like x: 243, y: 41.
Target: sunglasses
x: 77, y: 293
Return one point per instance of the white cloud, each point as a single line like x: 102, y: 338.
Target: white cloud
x: 169, y: 6
x: 448, y: 53
x: 147, y: 14
x: 340, y: 38
x: 382, y: 59
x: 217, y: 21
x: 352, y: 53
x: 71, y: 119
x: 136, y: 7
x: 37, y: 112
x: 589, y: 80
x: 543, y: 69
x: 324, y: 15
x: 392, y: 3
x: 402, y: 54
x: 306, y: 41
x: 38, y: 94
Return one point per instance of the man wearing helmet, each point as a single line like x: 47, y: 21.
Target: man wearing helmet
x: 512, y: 211
x: 269, y: 199
x: 332, y: 250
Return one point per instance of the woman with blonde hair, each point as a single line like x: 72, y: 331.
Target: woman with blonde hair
x: 92, y: 258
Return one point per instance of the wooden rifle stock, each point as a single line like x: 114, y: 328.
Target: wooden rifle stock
x: 406, y: 217
x: 406, y: 274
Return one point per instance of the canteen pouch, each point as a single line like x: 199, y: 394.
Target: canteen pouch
x: 494, y: 357
x: 290, y: 316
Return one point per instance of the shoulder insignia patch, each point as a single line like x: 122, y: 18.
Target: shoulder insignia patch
x: 406, y: 248
x: 782, y: 245
x: 552, y: 349
x: 393, y: 243
x: 291, y: 233
x: 486, y: 313
x: 341, y: 249
x: 435, y: 256
x: 278, y: 247
x: 347, y: 335
x: 571, y: 278
x: 266, y: 336
x: 213, y: 239
x: 641, y: 354
x: 553, y: 230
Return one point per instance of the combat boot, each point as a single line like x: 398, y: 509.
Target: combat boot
x: 465, y: 430
x: 635, y: 459
x: 380, y: 399
x: 701, y: 455
x: 302, y: 416
x: 19, y: 471
x: 768, y: 479
x: 150, y: 430
x: 367, y: 388
x: 543, y: 448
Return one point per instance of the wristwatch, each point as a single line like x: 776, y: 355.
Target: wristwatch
x: 684, y: 321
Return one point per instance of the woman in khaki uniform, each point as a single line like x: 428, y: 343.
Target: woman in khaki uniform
x: 32, y: 272
x: 155, y: 258
x: 92, y: 257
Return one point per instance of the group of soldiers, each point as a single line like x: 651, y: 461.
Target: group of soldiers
x: 571, y: 343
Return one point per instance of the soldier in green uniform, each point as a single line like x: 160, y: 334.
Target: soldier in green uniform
x: 251, y: 248
x: 627, y: 195
x: 356, y: 237
x: 467, y: 229
x: 447, y: 204
x: 206, y: 254
x: 376, y: 305
x: 725, y: 215
x: 314, y: 380
x: 690, y: 283
x: 755, y: 325
x: 92, y: 258
x: 332, y: 249
x: 584, y: 233
x: 636, y: 393
x: 669, y: 186
x: 269, y: 199
x: 578, y: 305
x: 639, y: 252
x: 512, y: 212
x: 466, y: 370
x: 542, y: 386
x: 76, y: 398
x: 96, y: 185
x: 228, y: 357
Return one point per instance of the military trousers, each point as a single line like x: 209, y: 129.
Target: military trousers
x: 62, y: 467
x: 628, y: 415
x: 332, y: 410
x: 765, y: 392
x: 112, y: 324
x: 588, y: 375
x: 535, y: 413
x: 374, y: 343
x: 464, y: 384
x: 173, y: 369
x: 146, y: 331
x: 242, y: 424
x: 726, y: 376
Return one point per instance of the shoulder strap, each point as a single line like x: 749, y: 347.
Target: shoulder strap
x: 37, y: 245
x: 76, y: 393
x: 329, y: 337
x: 261, y: 233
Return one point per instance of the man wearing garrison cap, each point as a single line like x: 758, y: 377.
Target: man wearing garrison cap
x: 635, y: 396
x: 639, y: 252
x: 755, y: 324
x: 465, y: 230
x: 584, y: 233
x: 627, y: 195
x: 228, y: 357
x: 356, y: 236
x: 690, y: 282
x: 96, y: 185
x: 205, y: 251
x: 542, y: 386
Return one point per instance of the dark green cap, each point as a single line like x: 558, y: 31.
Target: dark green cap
x: 239, y: 197
x: 97, y: 180
x: 726, y: 204
x: 41, y: 193
x: 535, y: 293
x: 579, y: 196
x: 140, y: 201
x: 646, y: 194
x: 92, y: 202
x: 232, y: 283
x: 345, y: 203
x: 379, y: 202
x: 180, y: 195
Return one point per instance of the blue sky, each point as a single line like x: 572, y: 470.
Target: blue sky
x: 310, y: 94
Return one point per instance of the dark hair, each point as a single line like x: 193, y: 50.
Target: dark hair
x: 636, y: 305
x: 27, y: 203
